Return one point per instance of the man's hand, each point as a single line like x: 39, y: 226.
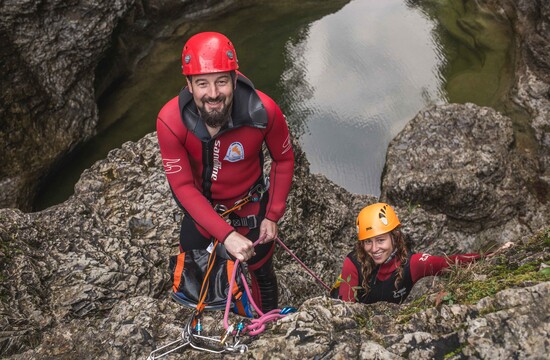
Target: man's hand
x: 239, y: 246
x: 268, y: 231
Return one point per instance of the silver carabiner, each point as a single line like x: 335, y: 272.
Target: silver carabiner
x: 168, y: 349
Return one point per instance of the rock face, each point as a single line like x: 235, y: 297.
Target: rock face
x: 88, y: 279
x: 50, y: 51
x: 456, y: 170
x: 48, y: 102
x: 74, y: 264
x: 531, y: 20
x: 335, y: 330
x: 533, y: 85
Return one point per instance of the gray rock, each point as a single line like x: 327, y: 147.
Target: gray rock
x: 88, y: 278
x: 48, y: 105
x: 531, y: 22
x: 459, y: 182
x: 54, y: 66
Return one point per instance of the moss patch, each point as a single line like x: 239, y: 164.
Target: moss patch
x: 520, y: 266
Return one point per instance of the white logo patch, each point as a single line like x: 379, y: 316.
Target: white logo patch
x: 424, y: 257
x: 235, y: 152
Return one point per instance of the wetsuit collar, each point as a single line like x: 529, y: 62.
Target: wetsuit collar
x: 385, y: 269
x: 247, y: 110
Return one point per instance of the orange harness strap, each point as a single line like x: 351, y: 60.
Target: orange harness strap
x: 212, y: 259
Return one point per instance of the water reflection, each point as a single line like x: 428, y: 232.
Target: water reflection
x: 369, y: 68
x: 477, y: 51
x: 365, y: 71
x: 348, y: 75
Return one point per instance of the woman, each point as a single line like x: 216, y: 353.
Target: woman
x: 381, y: 268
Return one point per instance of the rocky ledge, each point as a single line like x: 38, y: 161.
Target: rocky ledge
x: 57, y: 58
x: 89, y: 278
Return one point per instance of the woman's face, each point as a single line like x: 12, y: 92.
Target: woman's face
x: 379, y: 247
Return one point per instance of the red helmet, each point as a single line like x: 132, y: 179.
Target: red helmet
x: 208, y: 52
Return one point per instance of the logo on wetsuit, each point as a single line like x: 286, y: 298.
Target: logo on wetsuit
x: 170, y: 166
x: 399, y: 293
x: 287, y: 145
x: 424, y: 257
x: 217, y: 162
x: 235, y: 152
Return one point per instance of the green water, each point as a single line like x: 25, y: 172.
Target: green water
x: 348, y: 75
x: 478, y: 52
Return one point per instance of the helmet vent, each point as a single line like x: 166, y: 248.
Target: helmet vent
x: 382, y: 216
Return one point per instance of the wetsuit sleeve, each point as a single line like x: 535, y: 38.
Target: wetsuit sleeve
x: 349, y: 270
x: 178, y: 172
x: 278, y: 142
x: 428, y: 265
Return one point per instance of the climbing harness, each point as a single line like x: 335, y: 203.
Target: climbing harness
x: 231, y: 340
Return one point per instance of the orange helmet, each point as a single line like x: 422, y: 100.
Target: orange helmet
x: 208, y: 52
x: 376, y: 219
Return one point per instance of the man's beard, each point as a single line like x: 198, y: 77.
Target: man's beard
x: 215, y: 119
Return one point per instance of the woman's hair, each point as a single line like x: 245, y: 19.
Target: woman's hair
x: 400, y: 243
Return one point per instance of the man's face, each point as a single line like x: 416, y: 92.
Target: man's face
x: 213, y: 95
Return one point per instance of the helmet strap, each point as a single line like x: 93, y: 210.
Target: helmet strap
x: 233, y: 74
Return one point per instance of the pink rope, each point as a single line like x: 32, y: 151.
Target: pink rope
x: 229, y: 296
x: 301, y: 263
x: 257, y: 326
x: 248, y: 292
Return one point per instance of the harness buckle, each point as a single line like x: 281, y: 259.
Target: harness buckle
x: 252, y: 221
x: 249, y: 221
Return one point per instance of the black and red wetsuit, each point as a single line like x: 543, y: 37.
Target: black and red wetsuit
x: 205, y: 171
x: 382, y: 284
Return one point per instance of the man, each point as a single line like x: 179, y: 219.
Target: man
x: 211, y: 139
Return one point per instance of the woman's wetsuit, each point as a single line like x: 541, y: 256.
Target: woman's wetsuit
x: 382, y: 283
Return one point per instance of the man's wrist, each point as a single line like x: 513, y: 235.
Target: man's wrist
x: 226, y: 236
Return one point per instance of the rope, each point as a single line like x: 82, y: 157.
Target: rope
x: 303, y: 265
x: 257, y: 326
x: 212, y: 259
x: 206, y: 281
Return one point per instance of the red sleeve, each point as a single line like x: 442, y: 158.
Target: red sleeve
x: 427, y: 265
x: 278, y: 142
x: 349, y: 270
x: 171, y: 137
